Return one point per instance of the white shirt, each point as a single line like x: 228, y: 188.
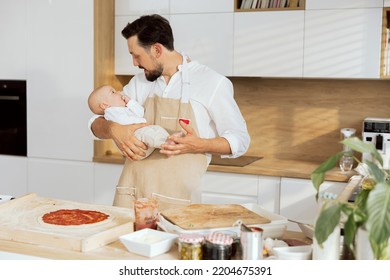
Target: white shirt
x: 211, y: 98
x: 131, y: 114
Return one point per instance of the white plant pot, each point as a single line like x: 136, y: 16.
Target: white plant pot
x: 330, y: 249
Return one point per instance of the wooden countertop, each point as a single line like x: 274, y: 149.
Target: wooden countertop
x: 112, y: 251
x: 264, y: 166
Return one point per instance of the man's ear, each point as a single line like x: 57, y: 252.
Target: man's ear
x: 157, y: 49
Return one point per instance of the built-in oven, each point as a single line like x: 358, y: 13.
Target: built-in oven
x: 13, y: 117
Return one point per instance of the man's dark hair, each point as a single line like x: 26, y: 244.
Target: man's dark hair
x: 150, y: 29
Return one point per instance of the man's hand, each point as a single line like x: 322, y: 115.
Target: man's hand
x: 123, y: 136
x: 187, y: 143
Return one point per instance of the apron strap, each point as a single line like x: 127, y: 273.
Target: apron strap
x: 185, y: 94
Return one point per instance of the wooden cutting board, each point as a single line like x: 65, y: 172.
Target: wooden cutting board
x: 21, y: 221
x: 206, y: 216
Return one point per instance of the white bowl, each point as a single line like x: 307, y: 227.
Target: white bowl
x: 293, y: 252
x: 148, y: 242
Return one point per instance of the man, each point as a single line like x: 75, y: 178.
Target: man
x: 174, y: 90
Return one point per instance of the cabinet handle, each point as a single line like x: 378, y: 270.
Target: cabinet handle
x: 9, y: 97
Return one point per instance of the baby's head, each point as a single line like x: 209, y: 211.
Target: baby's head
x: 104, y: 97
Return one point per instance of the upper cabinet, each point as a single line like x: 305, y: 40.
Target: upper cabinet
x: 211, y: 39
x: 13, y: 39
x: 386, y: 3
x: 201, y: 6
x: 342, y: 4
x: 343, y: 43
x: 268, y: 44
x: 141, y: 7
x: 321, y: 39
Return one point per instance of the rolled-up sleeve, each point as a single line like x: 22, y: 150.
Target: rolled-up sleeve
x: 91, y: 120
x: 229, y: 122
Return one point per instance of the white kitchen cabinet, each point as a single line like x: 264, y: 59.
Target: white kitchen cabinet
x: 297, y: 199
x: 106, y: 177
x: 342, y: 4
x: 268, y: 44
x: 13, y: 174
x: 269, y: 193
x: 67, y: 180
x: 201, y: 6
x: 343, y: 43
x: 206, y: 38
x: 59, y: 78
x: 386, y: 3
x: 13, y: 39
x: 137, y: 7
x: 226, y: 188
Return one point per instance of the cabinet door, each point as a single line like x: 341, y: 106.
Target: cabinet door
x: 342, y: 4
x: 297, y: 199
x: 137, y: 7
x: 68, y: 180
x: 269, y: 193
x: 220, y: 187
x: 386, y: 3
x: 106, y: 177
x: 13, y: 39
x: 343, y: 43
x: 13, y: 174
x: 268, y: 44
x: 201, y: 6
x: 60, y: 78
x: 206, y: 38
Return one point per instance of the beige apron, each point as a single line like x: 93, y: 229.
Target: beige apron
x: 174, y: 180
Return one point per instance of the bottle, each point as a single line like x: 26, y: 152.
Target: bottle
x: 346, y: 160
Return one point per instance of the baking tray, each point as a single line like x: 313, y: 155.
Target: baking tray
x: 274, y: 229
x: 21, y: 221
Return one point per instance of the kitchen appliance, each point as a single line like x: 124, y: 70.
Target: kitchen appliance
x: 377, y: 132
x: 13, y: 118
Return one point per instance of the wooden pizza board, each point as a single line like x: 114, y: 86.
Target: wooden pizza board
x: 206, y: 216
x: 21, y: 221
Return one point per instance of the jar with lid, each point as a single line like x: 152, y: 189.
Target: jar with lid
x: 190, y: 246
x: 236, y: 245
x: 217, y: 246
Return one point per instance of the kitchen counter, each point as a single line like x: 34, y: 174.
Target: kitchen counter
x: 112, y: 251
x: 263, y: 166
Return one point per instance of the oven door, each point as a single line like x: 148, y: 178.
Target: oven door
x: 13, y: 118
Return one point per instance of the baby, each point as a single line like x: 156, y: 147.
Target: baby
x: 119, y: 108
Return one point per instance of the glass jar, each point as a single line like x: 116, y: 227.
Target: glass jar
x: 217, y: 246
x: 236, y: 245
x: 190, y: 246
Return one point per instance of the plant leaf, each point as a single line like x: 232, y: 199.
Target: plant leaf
x: 318, y: 175
x: 349, y: 231
x: 377, y: 173
x: 327, y: 221
x: 378, y: 222
x: 363, y: 147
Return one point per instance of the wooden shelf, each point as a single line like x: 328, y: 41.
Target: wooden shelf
x: 290, y: 5
x: 385, y: 46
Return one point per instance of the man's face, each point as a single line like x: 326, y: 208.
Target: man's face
x: 144, y: 59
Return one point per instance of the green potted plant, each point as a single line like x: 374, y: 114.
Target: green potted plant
x: 371, y: 208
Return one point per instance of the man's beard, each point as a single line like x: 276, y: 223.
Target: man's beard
x: 152, y: 75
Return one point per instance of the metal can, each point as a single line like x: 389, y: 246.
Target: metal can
x: 190, y: 246
x: 217, y: 246
x: 252, y: 243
